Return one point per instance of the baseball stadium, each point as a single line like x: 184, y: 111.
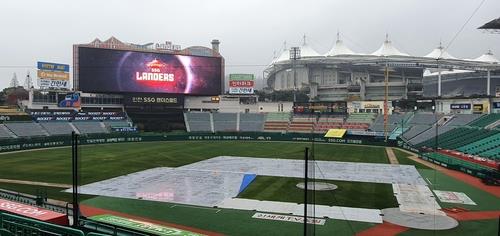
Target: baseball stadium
x: 148, y: 142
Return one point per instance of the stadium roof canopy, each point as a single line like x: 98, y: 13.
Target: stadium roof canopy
x: 488, y: 57
x: 440, y: 53
x: 388, y: 50
x: 339, y: 49
x: 494, y: 24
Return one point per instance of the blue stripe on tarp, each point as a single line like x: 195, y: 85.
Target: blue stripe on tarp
x: 247, y: 179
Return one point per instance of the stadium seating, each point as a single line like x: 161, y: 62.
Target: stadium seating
x: 251, y: 122
x: 277, y: 122
x: 57, y: 127
x: 488, y: 147
x: 457, y: 120
x: 393, y: 121
x: 90, y: 127
x: 458, y: 137
x: 450, y: 161
x: 415, y: 130
x: 198, y: 121
x: 17, y: 225
x: 224, y: 121
x: 485, y: 120
x: 302, y: 124
x: 26, y: 129
x: 118, y: 123
x: 326, y: 122
x: 424, y: 119
x: 5, y: 132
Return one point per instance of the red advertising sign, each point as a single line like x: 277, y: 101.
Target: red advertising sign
x: 241, y: 83
x: 33, y: 212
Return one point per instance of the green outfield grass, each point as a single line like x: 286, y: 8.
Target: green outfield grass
x: 99, y: 162
x: 349, y: 194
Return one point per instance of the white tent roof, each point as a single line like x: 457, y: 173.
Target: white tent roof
x: 388, y: 50
x: 307, y: 51
x: 285, y: 55
x: 439, y: 52
x: 487, y: 57
x: 339, y: 49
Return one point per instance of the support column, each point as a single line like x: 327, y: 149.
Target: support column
x: 488, y: 82
x: 439, y: 81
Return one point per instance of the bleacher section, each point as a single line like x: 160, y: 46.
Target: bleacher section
x: 393, y: 121
x: 302, y: 124
x: 251, y: 122
x: 458, y: 137
x: 5, y: 132
x: 110, y: 124
x: 485, y: 120
x: 57, y: 127
x: 488, y: 147
x: 415, y: 130
x: 452, y: 161
x: 26, y: 129
x: 90, y: 127
x: 457, y: 120
x: 277, y: 122
x: 224, y: 121
x: 359, y: 121
x: 198, y: 121
x: 328, y: 122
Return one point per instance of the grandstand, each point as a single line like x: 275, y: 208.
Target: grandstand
x: 90, y: 127
x: 224, y: 122
x: 277, y: 122
x: 26, y: 129
x: 58, y: 127
x: 5, y: 132
x: 251, y: 122
x: 198, y: 121
x: 327, y: 122
x: 302, y: 124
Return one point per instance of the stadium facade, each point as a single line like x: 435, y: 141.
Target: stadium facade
x: 341, y: 74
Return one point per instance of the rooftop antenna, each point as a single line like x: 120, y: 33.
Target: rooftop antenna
x: 386, y: 37
x: 284, y: 45
x: 338, y: 35
x: 304, y: 39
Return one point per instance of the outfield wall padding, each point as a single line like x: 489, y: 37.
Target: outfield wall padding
x: 7, y: 145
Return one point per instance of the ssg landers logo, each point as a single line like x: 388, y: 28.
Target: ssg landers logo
x: 156, y: 73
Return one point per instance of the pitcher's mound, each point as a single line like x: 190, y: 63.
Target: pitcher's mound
x: 317, y: 186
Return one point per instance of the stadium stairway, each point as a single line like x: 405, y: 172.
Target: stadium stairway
x: 5, y: 132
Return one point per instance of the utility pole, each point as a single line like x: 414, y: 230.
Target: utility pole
x: 294, y: 56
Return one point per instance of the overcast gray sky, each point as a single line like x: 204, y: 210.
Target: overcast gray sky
x: 249, y: 31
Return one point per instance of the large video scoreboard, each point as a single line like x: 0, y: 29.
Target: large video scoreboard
x: 119, y: 71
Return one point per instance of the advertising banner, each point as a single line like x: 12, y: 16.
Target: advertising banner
x: 118, y: 71
x: 465, y: 106
x: 33, y: 212
x: 52, y: 75
x: 241, y: 83
x: 142, y: 226
x: 71, y: 100
x: 496, y: 105
x: 48, y: 66
x: 153, y: 99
